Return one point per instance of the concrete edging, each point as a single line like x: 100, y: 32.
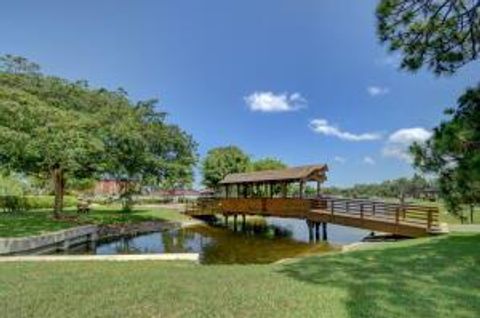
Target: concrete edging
x: 192, y: 257
x: 62, y: 238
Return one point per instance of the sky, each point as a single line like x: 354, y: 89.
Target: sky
x: 303, y: 81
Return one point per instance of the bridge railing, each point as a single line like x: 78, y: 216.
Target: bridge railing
x: 203, y: 206
x: 414, y: 214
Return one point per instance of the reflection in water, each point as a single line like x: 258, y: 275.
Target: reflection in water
x: 262, y: 240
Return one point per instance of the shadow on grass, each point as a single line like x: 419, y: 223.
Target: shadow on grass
x: 29, y: 223
x: 38, y: 222
x: 439, y: 277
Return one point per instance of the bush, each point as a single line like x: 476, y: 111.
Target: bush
x: 13, y: 203
x: 16, y: 203
x: 152, y: 200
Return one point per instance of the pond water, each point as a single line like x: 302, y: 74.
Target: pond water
x: 264, y: 240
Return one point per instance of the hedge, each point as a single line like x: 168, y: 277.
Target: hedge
x: 14, y: 203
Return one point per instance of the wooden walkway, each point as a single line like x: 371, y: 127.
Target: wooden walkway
x: 401, y: 219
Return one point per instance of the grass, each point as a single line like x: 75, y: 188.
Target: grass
x: 433, y: 277
x: 41, y: 221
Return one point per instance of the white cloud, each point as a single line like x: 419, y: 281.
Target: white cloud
x: 322, y: 126
x: 271, y: 102
x: 398, y: 142
x: 340, y: 159
x: 377, y: 90
x: 368, y: 160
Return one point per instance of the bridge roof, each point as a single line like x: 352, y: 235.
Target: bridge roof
x: 293, y: 174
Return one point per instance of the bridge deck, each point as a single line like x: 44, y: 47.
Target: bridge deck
x: 407, y: 219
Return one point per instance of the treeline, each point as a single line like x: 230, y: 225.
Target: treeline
x: 400, y: 188
x: 67, y: 132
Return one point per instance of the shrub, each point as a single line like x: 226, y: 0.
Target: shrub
x: 13, y: 203
x: 17, y: 203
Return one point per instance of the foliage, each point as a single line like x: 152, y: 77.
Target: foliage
x: 442, y: 34
x: 397, y: 188
x: 454, y: 153
x: 51, y: 127
x: 222, y: 161
x: 267, y: 164
x: 11, y: 185
x: 21, y: 203
x: 18, y: 65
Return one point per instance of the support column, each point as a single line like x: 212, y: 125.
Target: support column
x: 226, y: 219
x: 301, y: 189
x: 317, y: 231
x: 318, y: 188
x: 324, y: 231
x: 244, y: 222
x: 310, y: 231
x: 235, y: 223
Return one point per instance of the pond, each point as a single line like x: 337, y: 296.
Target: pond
x: 264, y: 240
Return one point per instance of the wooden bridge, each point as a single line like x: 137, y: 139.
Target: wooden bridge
x: 266, y: 194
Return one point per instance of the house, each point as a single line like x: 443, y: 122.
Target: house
x: 109, y: 186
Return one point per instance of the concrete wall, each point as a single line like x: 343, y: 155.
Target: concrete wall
x: 48, y: 242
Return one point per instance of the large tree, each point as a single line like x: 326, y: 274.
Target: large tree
x: 222, y: 161
x: 454, y: 152
x: 442, y: 35
x: 51, y: 127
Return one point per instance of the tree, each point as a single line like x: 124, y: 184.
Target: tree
x: 444, y: 35
x: 453, y: 153
x: 18, y: 65
x: 441, y: 34
x: 42, y: 140
x: 51, y: 127
x: 267, y: 164
x: 222, y: 161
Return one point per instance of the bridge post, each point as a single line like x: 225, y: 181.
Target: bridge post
x: 310, y: 230
x: 324, y: 231
x: 235, y: 223
x: 225, y: 216
x: 244, y: 222
x: 317, y: 231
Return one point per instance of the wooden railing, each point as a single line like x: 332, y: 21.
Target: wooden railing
x: 414, y: 214
x: 394, y: 213
x: 283, y: 207
x: 203, y: 206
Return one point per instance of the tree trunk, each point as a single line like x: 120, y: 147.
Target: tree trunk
x: 472, y: 207
x: 59, y: 186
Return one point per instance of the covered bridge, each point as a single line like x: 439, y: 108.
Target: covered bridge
x: 281, y: 193
x: 273, y: 183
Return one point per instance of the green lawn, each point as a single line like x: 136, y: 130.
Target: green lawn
x: 37, y: 222
x: 433, y: 277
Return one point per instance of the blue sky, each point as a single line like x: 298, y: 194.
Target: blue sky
x: 305, y: 81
